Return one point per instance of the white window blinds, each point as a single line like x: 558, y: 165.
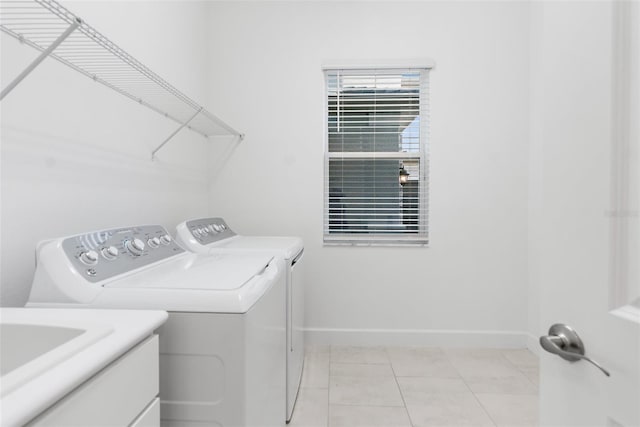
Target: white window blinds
x: 375, y: 159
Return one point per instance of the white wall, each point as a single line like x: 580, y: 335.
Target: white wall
x: 76, y: 155
x: 266, y: 75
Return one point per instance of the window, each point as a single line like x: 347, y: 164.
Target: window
x: 375, y: 159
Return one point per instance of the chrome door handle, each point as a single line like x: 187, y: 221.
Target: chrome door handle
x: 565, y: 342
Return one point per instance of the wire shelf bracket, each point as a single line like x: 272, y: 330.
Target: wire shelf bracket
x: 57, y: 33
x: 39, y: 59
x: 153, y: 153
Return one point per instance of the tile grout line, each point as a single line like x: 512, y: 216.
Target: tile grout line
x: 395, y: 377
x: 522, y: 372
x: 529, y: 379
x: 471, y: 391
x: 369, y: 405
x: 329, y: 387
x: 359, y: 363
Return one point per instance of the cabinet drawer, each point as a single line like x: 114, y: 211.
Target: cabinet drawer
x: 113, y: 397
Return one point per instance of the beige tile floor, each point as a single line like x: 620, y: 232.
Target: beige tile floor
x: 417, y: 386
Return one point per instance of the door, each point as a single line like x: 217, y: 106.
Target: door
x: 585, y: 197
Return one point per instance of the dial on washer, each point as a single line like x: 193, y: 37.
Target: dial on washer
x: 109, y: 253
x: 89, y: 257
x: 153, y: 242
x: 135, y: 246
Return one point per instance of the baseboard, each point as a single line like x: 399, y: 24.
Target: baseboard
x: 532, y: 344
x: 418, y: 337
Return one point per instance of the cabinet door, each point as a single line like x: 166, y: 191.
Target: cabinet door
x: 114, y: 397
x: 150, y: 417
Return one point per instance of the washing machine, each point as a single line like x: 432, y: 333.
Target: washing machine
x: 222, y: 350
x: 213, y: 236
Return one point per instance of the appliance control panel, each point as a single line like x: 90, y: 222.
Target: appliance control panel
x: 104, y: 254
x: 209, y: 230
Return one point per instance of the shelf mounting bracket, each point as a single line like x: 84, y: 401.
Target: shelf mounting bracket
x: 153, y: 153
x: 40, y: 58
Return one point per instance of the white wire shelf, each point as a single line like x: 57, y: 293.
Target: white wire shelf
x: 52, y: 29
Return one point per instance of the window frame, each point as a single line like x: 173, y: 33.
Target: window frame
x: 400, y: 239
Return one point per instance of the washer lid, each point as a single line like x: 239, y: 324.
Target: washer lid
x: 196, y: 272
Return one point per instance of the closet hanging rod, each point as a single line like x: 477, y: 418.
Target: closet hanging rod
x: 47, y: 26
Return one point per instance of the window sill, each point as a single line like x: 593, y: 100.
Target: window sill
x: 422, y: 242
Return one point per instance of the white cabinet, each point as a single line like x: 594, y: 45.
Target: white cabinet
x: 150, y: 417
x: 125, y: 393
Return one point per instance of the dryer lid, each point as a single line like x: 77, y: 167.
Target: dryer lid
x: 289, y: 247
x: 197, y: 272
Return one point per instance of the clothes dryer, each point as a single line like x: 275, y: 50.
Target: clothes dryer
x: 222, y: 350
x: 213, y: 236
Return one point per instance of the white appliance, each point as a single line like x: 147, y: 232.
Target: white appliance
x: 222, y: 351
x: 213, y: 236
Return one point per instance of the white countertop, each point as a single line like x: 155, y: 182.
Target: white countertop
x: 111, y: 333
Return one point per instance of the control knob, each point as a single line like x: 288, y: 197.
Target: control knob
x: 166, y: 239
x: 89, y: 257
x: 153, y: 242
x: 110, y: 253
x: 135, y: 246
